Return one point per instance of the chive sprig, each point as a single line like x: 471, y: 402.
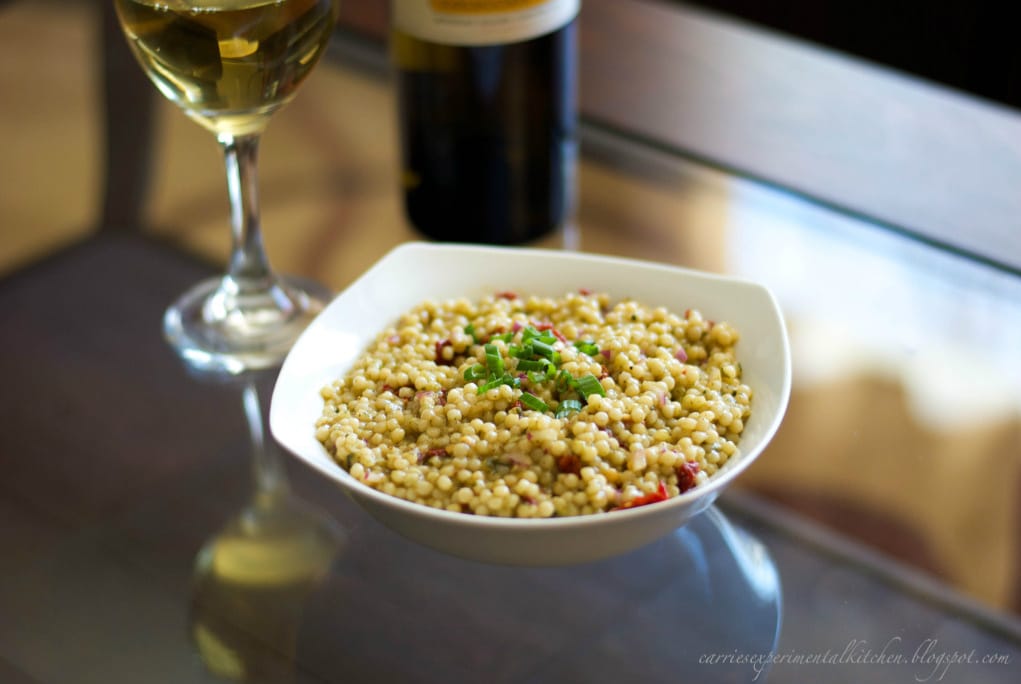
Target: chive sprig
x: 534, y: 356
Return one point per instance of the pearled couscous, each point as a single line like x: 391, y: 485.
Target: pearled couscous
x: 537, y: 406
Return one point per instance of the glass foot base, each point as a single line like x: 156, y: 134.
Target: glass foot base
x: 220, y: 328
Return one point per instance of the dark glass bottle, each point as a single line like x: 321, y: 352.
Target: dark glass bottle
x: 488, y: 135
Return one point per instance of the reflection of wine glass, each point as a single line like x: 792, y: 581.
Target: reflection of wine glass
x: 230, y: 64
x: 252, y: 579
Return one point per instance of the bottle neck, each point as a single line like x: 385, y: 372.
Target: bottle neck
x: 474, y: 22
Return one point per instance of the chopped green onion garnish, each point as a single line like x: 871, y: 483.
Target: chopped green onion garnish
x: 537, y: 359
x: 564, y: 381
x: 545, y: 350
x: 567, y: 407
x: 536, y: 377
x: 530, y: 333
x: 476, y: 372
x: 520, y: 352
x: 589, y: 384
x: 496, y: 381
x: 493, y: 360
x: 533, y: 364
x: 533, y: 402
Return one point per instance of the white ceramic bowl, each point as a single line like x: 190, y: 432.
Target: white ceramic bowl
x: 414, y: 272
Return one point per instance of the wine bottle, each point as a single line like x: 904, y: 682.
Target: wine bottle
x: 487, y: 116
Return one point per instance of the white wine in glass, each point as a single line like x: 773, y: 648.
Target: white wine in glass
x: 229, y: 65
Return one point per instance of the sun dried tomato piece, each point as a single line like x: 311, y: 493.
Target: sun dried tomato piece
x: 686, y: 473
x: 660, y: 494
x: 439, y: 353
x: 424, y: 456
x: 569, y: 463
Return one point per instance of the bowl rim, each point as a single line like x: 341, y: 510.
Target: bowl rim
x: 712, y: 486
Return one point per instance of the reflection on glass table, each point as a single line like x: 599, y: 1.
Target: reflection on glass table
x: 252, y: 578
x: 657, y: 614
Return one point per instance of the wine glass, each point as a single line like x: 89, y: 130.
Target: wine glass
x: 230, y: 64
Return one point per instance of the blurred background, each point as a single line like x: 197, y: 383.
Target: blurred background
x: 965, y: 45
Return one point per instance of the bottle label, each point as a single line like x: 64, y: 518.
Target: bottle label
x: 481, y: 22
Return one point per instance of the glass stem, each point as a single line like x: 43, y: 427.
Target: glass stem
x: 267, y: 467
x: 249, y: 268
